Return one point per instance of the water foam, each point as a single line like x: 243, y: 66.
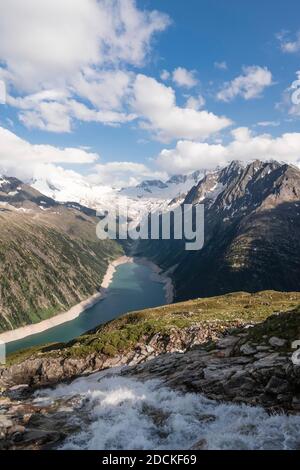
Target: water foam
x: 126, y: 413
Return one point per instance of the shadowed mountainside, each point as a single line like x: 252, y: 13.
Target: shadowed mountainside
x: 252, y: 226
x: 50, y: 256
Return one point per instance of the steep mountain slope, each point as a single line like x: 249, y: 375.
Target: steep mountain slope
x: 50, y: 256
x: 252, y: 226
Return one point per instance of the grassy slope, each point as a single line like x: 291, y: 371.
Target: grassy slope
x: 48, y: 262
x: 221, y: 313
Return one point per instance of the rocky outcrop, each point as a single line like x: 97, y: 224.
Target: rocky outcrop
x: 235, y: 369
x: 138, y: 336
x: 225, y: 360
x: 44, y: 371
x: 28, y: 425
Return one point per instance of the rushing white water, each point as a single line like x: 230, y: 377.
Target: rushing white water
x: 126, y: 413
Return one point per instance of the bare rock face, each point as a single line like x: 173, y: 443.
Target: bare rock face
x: 270, y: 379
x: 277, y: 342
x: 26, y: 425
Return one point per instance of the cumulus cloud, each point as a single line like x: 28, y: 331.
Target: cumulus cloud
x: 19, y: 150
x: 27, y: 161
x: 79, y: 46
x: 57, y: 38
x: 188, y: 155
x: 156, y: 103
x: 184, y: 78
x: 249, y: 85
x: 20, y: 158
x: 55, y: 110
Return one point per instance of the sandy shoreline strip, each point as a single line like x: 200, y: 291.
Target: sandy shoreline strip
x: 64, y: 317
x: 74, y: 312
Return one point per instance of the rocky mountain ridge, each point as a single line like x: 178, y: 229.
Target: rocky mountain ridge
x: 252, y: 223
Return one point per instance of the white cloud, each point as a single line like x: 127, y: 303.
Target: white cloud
x: 2, y: 92
x: 17, y: 156
x: 56, y: 38
x: 268, y: 123
x: 84, y: 113
x: 188, y: 156
x: 48, y: 116
x: 105, y: 90
x: 79, y: 46
x: 249, y: 85
x: 287, y: 46
x: 185, y: 78
x: 156, y: 103
x: 221, y: 65
x: 122, y: 174
x: 55, y: 111
x: 41, y: 162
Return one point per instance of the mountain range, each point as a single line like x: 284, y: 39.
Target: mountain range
x: 252, y: 222
x: 51, y: 258
x: 149, y: 195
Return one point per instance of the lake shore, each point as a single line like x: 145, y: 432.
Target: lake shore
x: 69, y: 315
x: 76, y: 310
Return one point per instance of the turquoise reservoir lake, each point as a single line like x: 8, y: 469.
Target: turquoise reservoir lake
x: 133, y: 288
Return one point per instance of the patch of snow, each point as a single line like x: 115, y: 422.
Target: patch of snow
x: 215, y: 191
x: 3, y: 181
x: 23, y: 209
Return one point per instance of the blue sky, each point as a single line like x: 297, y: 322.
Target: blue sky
x: 235, y: 61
